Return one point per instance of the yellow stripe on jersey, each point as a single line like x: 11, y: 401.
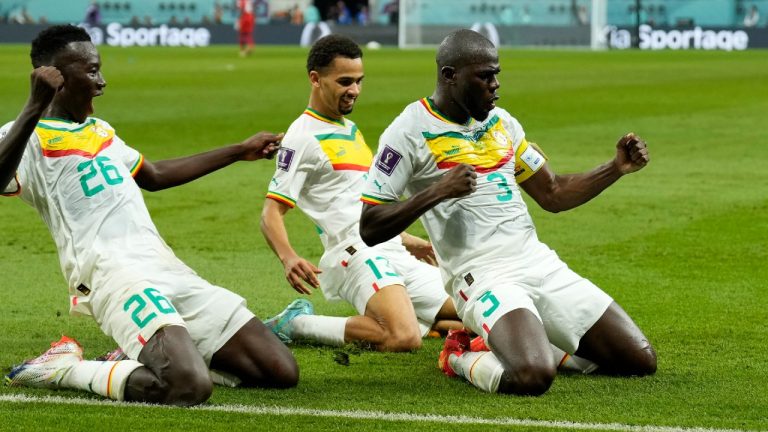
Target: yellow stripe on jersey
x: 528, y: 159
x: 137, y: 166
x: 87, y: 140
x: 346, y: 151
x: 372, y: 200
x: 290, y: 202
x: 314, y: 114
x: 487, y: 149
x: 431, y: 108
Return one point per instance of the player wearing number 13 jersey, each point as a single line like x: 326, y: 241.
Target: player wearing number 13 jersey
x: 461, y: 163
x: 85, y: 182
x: 321, y: 169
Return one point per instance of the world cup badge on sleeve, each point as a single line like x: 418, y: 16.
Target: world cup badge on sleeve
x: 388, y: 160
x: 285, y: 158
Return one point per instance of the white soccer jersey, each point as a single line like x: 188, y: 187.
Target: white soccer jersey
x: 321, y: 168
x: 79, y: 177
x: 491, y: 223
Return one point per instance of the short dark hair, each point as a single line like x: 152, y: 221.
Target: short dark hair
x: 463, y: 47
x: 52, y: 40
x: 328, y: 48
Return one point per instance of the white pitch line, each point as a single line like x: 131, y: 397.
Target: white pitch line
x: 367, y: 415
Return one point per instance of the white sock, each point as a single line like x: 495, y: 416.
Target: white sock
x: 106, y: 378
x: 566, y: 361
x: 481, y: 368
x: 327, y: 330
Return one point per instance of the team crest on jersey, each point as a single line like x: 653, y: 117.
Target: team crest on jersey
x: 285, y: 158
x: 500, y: 137
x: 100, y: 131
x: 388, y: 160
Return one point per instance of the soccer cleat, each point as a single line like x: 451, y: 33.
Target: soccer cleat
x: 116, y: 355
x: 282, y: 323
x: 478, y: 344
x: 457, y: 342
x: 47, y: 370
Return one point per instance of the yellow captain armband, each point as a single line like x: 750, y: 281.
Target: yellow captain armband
x: 529, y: 158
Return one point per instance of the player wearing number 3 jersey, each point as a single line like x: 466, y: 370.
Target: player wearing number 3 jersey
x: 458, y: 160
x: 85, y: 182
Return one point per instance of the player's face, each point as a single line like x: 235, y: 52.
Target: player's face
x: 477, y: 86
x: 80, y: 65
x: 340, y: 84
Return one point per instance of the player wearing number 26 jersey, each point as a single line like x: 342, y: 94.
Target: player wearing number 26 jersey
x: 85, y: 182
x: 79, y: 177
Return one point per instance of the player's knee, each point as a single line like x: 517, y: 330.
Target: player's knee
x: 402, y: 341
x: 528, y: 380
x: 188, y: 387
x: 643, y: 362
x: 285, y: 374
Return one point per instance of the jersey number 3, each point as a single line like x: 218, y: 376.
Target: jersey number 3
x: 503, y: 185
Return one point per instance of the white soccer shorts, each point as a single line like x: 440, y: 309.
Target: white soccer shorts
x: 354, y: 272
x: 566, y: 304
x: 133, y: 305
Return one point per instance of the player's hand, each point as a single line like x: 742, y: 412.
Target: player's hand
x: 260, y: 146
x: 631, y: 154
x: 459, y: 181
x: 45, y: 81
x: 299, y: 271
x: 419, y: 248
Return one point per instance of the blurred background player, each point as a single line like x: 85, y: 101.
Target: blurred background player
x: 84, y: 182
x: 245, y: 24
x: 459, y: 159
x: 321, y: 168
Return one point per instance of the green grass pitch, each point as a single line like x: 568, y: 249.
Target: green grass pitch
x: 681, y: 245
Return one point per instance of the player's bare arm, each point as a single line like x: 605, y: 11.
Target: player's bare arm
x: 556, y: 193
x: 45, y: 81
x: 165, y: 174
x: 298, y: 270
x: 382, y: 222
x: 419, y: 248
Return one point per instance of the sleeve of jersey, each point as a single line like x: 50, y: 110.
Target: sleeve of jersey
x: 294, y: 161
x: 13, y: 188
x: 130, y: 157
x: 391, y: 170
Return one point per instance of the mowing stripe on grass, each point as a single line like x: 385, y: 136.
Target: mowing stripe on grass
x: 367, y: 415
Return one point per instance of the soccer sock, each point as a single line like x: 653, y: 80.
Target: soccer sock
x: 566, y: 361
x: 482, y: 369
x: 478, y: 344
x: 327, y: 330
x: 106, y: 378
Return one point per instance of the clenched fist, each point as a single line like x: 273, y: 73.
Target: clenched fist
x: 459, y: 181
x: 45, y: 81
